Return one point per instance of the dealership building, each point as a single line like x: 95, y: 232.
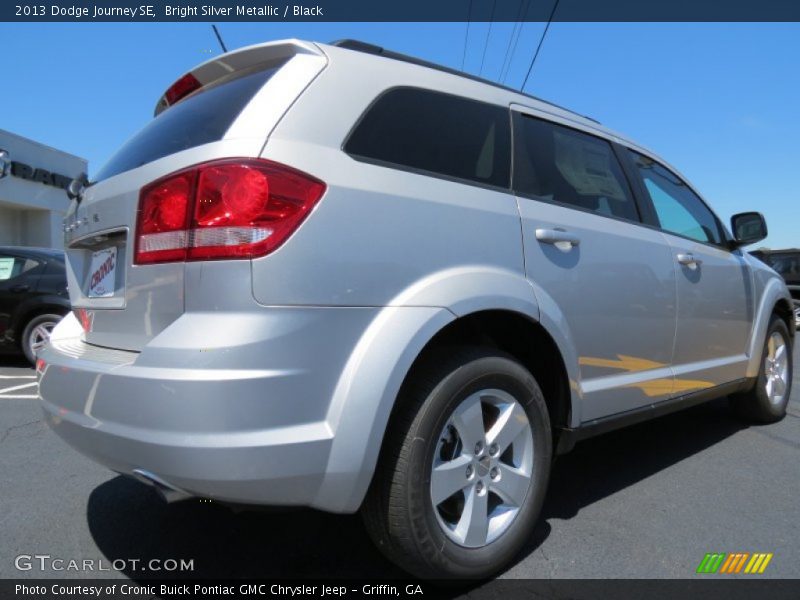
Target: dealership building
x: 33, y: 197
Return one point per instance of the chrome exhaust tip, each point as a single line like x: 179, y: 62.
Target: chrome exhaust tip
x: 167, y: 492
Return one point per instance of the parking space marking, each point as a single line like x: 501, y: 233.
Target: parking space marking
x: 17, y: 387
x: 18, y: 397
x: 17, y: 376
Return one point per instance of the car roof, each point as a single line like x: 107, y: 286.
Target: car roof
x: 514, y: 95
x: 360, y: 46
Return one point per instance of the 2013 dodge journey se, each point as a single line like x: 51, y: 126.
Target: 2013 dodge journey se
x: 338, y: 277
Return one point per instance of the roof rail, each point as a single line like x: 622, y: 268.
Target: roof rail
x: 359, y: 46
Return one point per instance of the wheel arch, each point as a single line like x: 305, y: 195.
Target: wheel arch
x: 364, y: 400
x: 775, y: 300
x: 519, y: 336
x: 785, y: 310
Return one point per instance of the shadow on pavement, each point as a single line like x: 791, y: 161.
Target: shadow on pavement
x: 601, y: 466
x: 127, y: 520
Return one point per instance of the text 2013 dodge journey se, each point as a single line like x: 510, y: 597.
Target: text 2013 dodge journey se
x: 337, y: 277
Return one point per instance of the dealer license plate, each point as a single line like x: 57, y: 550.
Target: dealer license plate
x: 102, y: 273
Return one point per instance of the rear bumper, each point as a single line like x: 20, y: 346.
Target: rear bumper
x: 239, y: 422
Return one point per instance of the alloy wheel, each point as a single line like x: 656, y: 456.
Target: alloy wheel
x: 776, y: 368
x: 482, y: 468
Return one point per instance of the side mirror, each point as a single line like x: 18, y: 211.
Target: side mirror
x: 748, y: 228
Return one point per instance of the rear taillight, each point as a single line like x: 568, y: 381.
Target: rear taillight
x: 232, y: 208
x: 162, y: 228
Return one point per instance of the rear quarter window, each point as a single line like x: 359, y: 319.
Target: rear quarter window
x: 437, y: 134
x: 198, y: 119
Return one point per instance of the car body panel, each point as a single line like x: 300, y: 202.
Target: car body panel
x: 716, y: 306
x: 771, y: 290
x: 272, y: 380
x: 148, y: 298
x: 616, y: 284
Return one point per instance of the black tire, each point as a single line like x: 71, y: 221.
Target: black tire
x: 755, y: 404
x: 399, y: 512
x: 26, y: 340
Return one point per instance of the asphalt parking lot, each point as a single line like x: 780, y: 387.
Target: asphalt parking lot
x: 646, y: 502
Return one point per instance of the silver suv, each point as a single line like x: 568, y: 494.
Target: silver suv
x: 338, y: 277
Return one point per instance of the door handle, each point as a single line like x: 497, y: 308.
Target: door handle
x: 689, y: 260
x: 20, y: 287
x: 561, y: 239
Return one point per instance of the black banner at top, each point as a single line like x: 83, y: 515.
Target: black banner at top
x: 400, y: 10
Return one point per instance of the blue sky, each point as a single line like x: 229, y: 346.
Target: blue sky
x: 719, y: 101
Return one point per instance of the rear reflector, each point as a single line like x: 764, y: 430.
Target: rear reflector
x: 231, y: 208
x: 85, y: 318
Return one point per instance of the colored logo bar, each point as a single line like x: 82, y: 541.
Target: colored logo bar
x: 735, y: 562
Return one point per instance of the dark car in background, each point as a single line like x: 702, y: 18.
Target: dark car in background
x: 33, y: 297
x: 787, y: 264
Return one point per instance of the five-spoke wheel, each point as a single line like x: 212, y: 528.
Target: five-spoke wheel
x: 766, y: 400
x: 464, y: 467
x: 481, y: 469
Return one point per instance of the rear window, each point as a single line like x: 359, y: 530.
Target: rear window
x: 198, y: 119
x: 436, y: 133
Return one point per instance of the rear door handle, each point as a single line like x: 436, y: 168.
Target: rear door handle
x: 20, y: 287
x: 689, y: 260
x: 562, y: 239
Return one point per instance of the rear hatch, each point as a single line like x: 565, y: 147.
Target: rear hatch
x: 223, y: 108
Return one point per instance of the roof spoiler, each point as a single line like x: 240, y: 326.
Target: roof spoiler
x: 231, y: 62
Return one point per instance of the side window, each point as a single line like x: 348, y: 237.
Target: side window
x: 562, y: 165
x: 678, y: 208
x: 12, y: 267
x: 438, y: 133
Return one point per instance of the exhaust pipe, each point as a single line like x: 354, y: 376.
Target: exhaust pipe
x: 167, y: 492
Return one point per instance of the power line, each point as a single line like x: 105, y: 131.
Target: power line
x: 466, y: 36
x: 510, y: 40
x: 219, y: 38
x: 522, y: 24
x: 516, y: 31
x: 539, y: 47
x: 488, y: 33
